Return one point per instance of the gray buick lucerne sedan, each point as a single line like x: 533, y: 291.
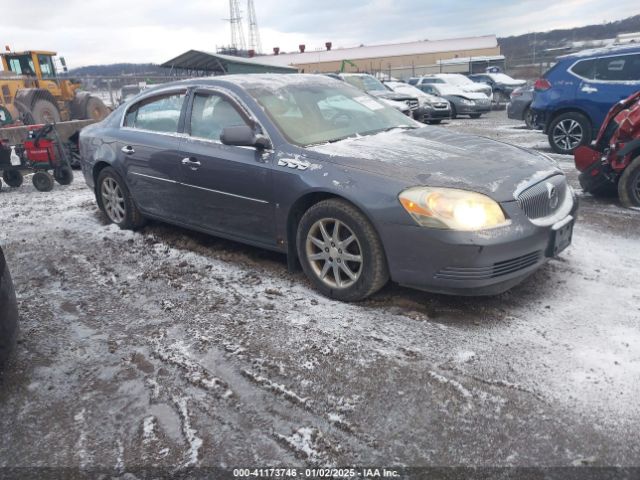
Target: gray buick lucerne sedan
x: 350, y: 189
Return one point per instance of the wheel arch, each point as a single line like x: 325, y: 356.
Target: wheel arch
x: 96, y: 169
x: 297, y: 211
x: 563, y: 110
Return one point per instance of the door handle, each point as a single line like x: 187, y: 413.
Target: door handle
x: 128, y: 150
x: 191, y: 162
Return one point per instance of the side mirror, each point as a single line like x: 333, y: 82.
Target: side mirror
x: 243, y: 136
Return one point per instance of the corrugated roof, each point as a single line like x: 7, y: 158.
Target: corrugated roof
x: 219, y: 64
x: 376, y: 51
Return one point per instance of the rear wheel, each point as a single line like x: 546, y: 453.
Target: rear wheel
x: 569, y: 131
x: 115, y: 201
x: 63, y: 175
x: 13, y: 178
x: 340, y: 251
x: 43, y: 181
x: 629, y: 185
x: 434, y: 122
x: 528, y: 118
x: 44, y: 111
x: 95, y: 109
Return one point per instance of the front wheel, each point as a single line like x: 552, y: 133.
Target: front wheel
x: 340, y: 251
x: 629, y: 185
x: 569, y: 131
x: 434, y: 122
x: 43, y: 181
x: 474, y: 115
x: 454, y: 113
x: 115, y: 201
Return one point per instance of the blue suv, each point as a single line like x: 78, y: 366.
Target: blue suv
x: 573, y: 97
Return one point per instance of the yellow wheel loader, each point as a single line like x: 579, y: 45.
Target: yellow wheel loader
x: 31, y: 91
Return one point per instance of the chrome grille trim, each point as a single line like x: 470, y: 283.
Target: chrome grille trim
x: 535, y: 200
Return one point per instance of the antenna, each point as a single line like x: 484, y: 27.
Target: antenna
x: 237, y: 32
x: 254, y: 33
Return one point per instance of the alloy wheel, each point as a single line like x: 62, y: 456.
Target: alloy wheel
x: 113, y: 200
x: 567, y: 134
x: 334, y: 253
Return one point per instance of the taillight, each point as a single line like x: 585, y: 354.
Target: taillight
x: 516, y: 93
x: 542, y: 84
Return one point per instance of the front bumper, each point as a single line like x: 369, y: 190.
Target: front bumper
x: 468, y: 263
x: 462, y: 109
x: 426, y: 113
x: 8, y: 312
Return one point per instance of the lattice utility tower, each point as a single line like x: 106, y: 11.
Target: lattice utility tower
x: 237, y: 32
x: 254, y: 33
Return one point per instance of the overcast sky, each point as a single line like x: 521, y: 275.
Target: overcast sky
x: 91, y: 32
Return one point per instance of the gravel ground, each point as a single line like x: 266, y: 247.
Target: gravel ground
x: 174, y: 349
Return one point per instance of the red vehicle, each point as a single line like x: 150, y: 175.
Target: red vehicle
x: 41, y: 153
x: 614, y: 160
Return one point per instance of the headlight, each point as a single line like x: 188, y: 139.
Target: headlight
x: 468, y: 102
x: 449, y: 208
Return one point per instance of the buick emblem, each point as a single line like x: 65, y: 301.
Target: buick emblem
x: 552, y: 195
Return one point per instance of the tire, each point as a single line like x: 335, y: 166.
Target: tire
x: 368, y: 274
x: 43, y: 111
x: 13, y: 178
x: 528, y: 118
x: 475, y: 115
x: 63, y: 175
x: 454, y: 114
x: 95, y: 109
x: 115, y: 201
x: 568, y: 131
x: 434, y: 122
x: 43, y: 181
x: 629, y: 185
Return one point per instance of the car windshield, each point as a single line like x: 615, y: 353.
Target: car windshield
x: 365, y: 82
x: 310, y: 113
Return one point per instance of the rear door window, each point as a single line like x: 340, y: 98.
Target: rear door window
x: 156, y: 114
x: 621, y: 68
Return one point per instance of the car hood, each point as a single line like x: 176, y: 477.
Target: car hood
x: 436, y: 157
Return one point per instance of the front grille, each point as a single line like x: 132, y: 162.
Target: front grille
x: 440, y: 106
x: 537, y: 201
x: 412, y: 104
x: 498, y: 269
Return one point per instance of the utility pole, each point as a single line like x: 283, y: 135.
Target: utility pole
x: 254, y: 33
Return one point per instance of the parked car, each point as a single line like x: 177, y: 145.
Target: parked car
x: 502, y: 85
x: 573, y: 97
x: 357, y: 195
x: 407, y: 104
x: 473, y: 104
x: 455, y: 80
x: 431, y: 109
x: 8, y: 311
x: 519, y: 106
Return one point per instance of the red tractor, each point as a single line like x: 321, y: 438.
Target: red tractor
x: 614, y: 160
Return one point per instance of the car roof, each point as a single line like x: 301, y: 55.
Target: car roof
x: 594, y: 52
x: 250, y: 80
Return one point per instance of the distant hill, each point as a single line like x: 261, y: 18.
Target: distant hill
x: 520, y: 49
x: 117, y: 69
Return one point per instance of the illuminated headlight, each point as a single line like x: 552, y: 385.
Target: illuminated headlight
x: 449, y: 208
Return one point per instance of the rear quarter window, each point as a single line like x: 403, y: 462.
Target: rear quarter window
x: 584, y: 69
x: 157, y: 114
x: 621, y: 68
